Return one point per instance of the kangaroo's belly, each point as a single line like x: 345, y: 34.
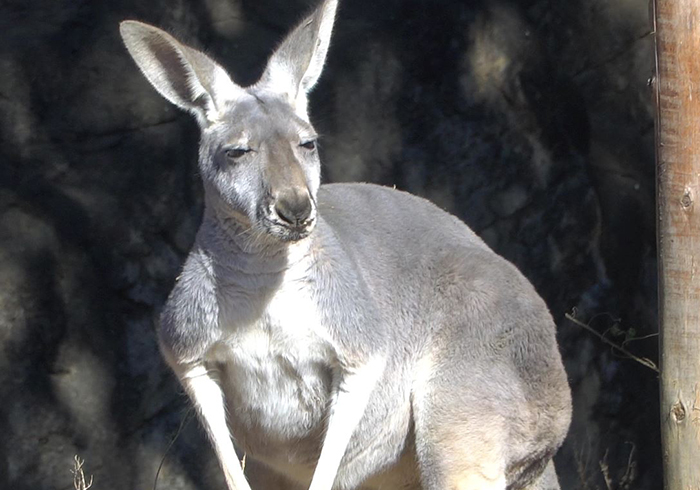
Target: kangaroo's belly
x: 278, y: 413
x: 278, y: 400
x: 276, y: 394
x: 274, y: 363
x: 277, y: 367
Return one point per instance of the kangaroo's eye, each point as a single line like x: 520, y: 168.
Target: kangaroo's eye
x: 309, y: 145
x: 234, y: 153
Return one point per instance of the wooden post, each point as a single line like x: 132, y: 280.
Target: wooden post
x: 677, y: 27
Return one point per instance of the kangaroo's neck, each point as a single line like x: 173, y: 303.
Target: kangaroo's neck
x: 239, y: 248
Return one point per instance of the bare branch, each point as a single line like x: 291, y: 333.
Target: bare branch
x: 642, y: 360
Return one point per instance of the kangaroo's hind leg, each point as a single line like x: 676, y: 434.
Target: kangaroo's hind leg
x: 460, y: 435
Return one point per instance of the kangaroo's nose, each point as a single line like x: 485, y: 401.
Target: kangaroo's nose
x: 294, y: 206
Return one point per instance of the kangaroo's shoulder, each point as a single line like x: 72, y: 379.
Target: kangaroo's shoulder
x: 368, y: 193
x: 371, y: 201
x: 393, y: 213
x: 189, y: 317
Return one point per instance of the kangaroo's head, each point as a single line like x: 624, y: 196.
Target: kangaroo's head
x: 258, y: 155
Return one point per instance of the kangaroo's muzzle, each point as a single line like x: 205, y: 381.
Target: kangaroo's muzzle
x: 292, y: 214
x: 294, y: 207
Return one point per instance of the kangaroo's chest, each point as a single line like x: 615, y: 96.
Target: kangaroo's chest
x: 275, y: 369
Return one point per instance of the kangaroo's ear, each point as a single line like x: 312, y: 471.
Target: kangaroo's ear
x: 186, y: 77
x: 296, y: 65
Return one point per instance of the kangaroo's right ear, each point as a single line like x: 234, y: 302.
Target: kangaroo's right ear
x: 294, y: 68
x: 186, y: 77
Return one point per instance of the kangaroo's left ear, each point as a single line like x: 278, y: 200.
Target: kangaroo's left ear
x: 296, y: 65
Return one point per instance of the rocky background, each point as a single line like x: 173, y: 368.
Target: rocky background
x: 532, y: 120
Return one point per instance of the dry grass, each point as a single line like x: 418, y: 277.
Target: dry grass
x: 589, y: 479
x: 79, y: 481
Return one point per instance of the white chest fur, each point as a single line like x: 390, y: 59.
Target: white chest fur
x: 277, y: 374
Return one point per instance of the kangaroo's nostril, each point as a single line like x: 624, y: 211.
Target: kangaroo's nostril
x: 294, y: 210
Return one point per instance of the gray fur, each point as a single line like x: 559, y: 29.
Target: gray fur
x: 355, y: 335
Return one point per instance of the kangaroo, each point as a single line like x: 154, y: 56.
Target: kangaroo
x: 345, y: 335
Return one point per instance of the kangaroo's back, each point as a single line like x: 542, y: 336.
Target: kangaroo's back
x: 392, y: 233
x: 391, y: 213
x: 348, y: 335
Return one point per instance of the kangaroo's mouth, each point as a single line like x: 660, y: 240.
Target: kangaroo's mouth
x: 288, y: 233
x: 288, y: 216
x: 284, y: 230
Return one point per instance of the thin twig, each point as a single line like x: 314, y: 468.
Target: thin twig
x: 167, y: 450
x: 643, y: 337
x: 79, y: 481
x: 631, y: 471
x: 605, y: 470
x: 641, y: 360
